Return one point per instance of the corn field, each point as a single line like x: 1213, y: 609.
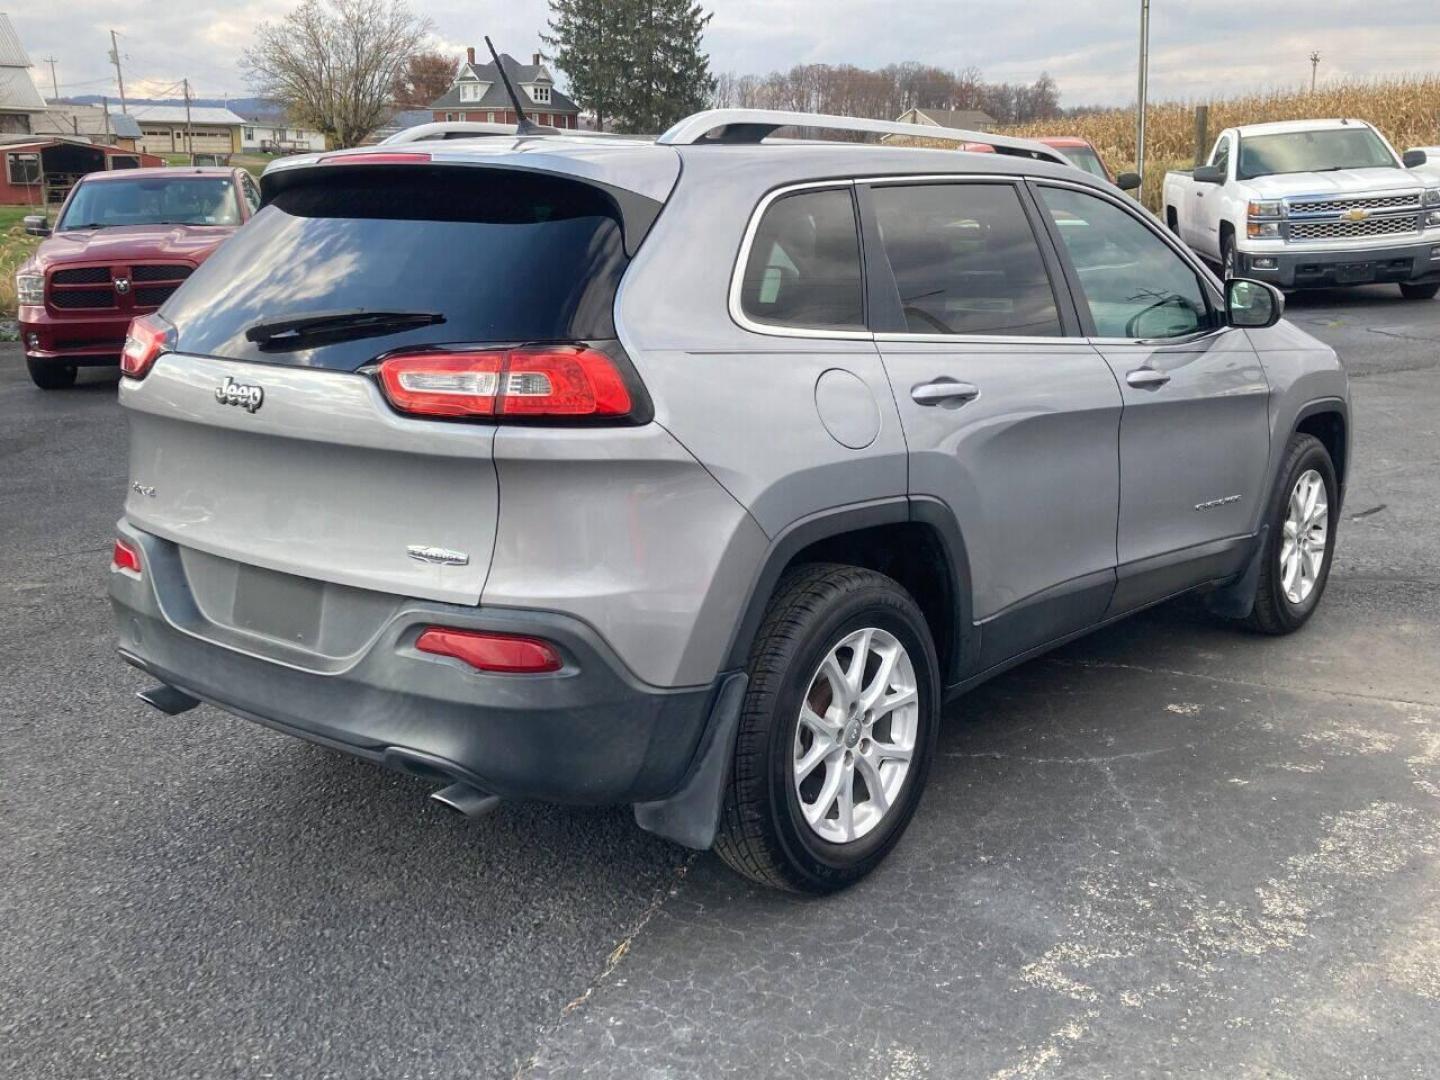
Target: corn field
x: 1406, y: 110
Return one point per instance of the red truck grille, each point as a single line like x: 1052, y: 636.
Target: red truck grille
x: 123, y: 288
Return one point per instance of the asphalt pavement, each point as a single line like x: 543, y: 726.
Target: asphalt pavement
x: 1171, y: 848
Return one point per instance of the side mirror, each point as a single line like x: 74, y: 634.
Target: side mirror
x: 1209, y: 174
x: 1253, y: 305
x: 1127, y: 181
x: 36, y: 225
x: 1412, y: 158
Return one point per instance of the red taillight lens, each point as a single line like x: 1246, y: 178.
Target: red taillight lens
x: 508, y: 654
x: 147, y: 338
x: 125, y: 557
x: 561, y: 380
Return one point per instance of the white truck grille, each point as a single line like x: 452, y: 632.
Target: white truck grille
x: 1336, y: 230
x: 1409, y: 200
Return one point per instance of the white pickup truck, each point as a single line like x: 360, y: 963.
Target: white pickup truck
x: 1310, y: 203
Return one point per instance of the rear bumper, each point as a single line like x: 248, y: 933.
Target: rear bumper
x: 83, y: 340
x: 1305, y: 269
x: 590, y: 733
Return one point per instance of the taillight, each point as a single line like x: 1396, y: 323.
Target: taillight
x: 508, y: 654
x: 378, y: 157
x: 556, y: 381
x: 147, y: 338
x: 125, y: 557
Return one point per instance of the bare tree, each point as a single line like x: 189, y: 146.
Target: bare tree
x: 425, y: 77
x: 332, y: 64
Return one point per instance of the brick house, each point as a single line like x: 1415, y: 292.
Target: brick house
x: 479, y: 94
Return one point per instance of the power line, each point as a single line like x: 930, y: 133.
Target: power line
x: 54, y: 86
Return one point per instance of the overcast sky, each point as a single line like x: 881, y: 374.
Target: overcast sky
x: 1088, y: 46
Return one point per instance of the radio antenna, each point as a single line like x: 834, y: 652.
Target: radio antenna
x: 525, y: 126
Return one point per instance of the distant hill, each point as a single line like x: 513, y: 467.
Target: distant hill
x: 241, y: 105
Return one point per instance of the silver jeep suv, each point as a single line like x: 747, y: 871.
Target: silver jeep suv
x: 697, y: 474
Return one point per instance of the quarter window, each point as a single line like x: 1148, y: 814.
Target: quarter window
x: 804, y: 264
x: 965, y: 260
x: 1135, y: 284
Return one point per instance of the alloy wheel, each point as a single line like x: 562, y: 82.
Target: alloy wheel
x: 1303, y: 542
x: 856, y: 736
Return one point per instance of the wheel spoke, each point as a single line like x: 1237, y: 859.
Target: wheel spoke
x: 819, y: 750
x: 881, y: 682
x: 859, y: 654
x: 891, y: 752
x: 817, y: 811
x: 845, y: 803
x: 895, y: 701
x: 870, y: 770
x: 823, y: 726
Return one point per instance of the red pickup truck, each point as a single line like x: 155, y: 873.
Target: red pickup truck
x: 123, y: 242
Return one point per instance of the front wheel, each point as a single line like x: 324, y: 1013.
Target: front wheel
x: 1227, y: 257
x: 837, y: 731
x: 1420, y: 292
x: 50, y: 375
x: 1301, y: 539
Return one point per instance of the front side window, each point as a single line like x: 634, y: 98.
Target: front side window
x: 1136, y: 286
x: 965, y: 260
x: 1220, y: 158
x: 804, y: 264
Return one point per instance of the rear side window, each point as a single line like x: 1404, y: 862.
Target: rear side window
x: 804, y: 264
x: 503, y: 256
x: 965, y: 260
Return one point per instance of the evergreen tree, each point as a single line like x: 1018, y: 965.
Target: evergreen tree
x: 637, y: 64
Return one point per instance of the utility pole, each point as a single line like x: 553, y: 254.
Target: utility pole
x: 54, y: 86
x: 1314, y: 63
x: 1144, y: 79
x: 119, y: 77
x: 189, y: 134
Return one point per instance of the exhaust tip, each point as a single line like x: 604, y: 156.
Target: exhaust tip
x: 168, y: 699
x: 464, y: 799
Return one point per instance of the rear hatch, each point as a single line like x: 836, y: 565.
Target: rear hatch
x: 278, y: 448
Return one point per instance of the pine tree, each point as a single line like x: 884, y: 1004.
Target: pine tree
x: 637, y: 63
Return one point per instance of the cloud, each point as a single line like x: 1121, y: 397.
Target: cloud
x: 1088, y: 46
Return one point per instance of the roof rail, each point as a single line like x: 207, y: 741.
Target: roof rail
x: 753, y: 125
x: 479, y: 129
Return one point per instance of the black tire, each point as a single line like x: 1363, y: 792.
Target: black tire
x: 1419, y: 292
x: 1227, y: 256
x: 763, y: 834
x: 49, y: 375
x: 1274, y: 612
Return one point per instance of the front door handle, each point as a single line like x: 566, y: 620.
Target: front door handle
x: 1147, y: 378
x: 945, y: 391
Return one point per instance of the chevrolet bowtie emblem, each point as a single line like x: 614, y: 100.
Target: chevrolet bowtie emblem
x: 1359, y: 213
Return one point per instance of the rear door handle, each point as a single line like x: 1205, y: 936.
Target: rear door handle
x: 944, y: 391
x: 1147, y: 378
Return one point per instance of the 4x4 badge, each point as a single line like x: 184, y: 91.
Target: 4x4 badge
x: 244, y: 395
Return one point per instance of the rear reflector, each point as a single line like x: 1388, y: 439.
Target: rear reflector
x: 507, y: 654
x: 147, y: 338
x: 125, y: 557
x: 558, y: 380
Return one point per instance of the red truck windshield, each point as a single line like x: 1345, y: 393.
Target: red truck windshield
x: 152, y: 200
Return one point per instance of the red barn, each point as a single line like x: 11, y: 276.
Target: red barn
x: 40, y: 171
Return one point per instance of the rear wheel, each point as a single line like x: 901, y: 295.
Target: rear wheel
x: 837, y: 732
x: 1301, y: 540
x: 50, y: 374
x: 1420, y: 292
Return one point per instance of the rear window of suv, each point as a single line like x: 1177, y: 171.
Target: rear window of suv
x: 503, y: 256
x: 804, y: 265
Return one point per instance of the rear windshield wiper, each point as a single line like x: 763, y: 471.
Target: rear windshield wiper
x: 336, y: 325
